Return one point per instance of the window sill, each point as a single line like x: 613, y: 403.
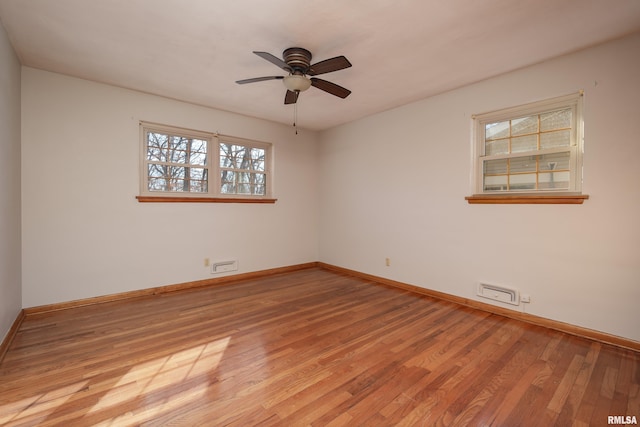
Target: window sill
x: 172, y: 199
x: 532, y: 199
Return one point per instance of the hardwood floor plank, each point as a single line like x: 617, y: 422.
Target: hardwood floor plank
x: 507, y: 384
x: 568, y: 411
x: 308, y: 347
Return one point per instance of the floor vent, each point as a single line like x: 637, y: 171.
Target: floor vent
x: 499, y: 293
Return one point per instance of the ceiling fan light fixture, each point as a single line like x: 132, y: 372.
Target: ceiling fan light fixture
x: 296, y: 83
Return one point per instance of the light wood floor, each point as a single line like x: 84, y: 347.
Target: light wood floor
x: 306, y: 348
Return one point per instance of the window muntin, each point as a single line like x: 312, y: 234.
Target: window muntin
x: 530, y: 149
x: 182, y: 163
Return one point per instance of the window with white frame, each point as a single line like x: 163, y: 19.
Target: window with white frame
x: 535, y: 148
x: 179, y: 162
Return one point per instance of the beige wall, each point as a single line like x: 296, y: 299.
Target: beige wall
x: 10, y: 290
x: 84, y: 233
x: 393, y: 185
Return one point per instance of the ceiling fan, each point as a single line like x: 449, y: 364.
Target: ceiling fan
x: 297, y: 62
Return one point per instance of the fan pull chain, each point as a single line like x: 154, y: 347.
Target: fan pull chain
x: 295, y: 116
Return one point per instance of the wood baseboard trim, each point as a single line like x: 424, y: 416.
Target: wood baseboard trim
x: 8, y: 339
x: 217, y: 281
x: 525, y: 317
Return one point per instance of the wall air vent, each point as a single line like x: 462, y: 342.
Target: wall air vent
x: 499, y: 293
x: 224, y: 266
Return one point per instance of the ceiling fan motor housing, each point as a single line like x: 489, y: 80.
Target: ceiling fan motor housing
x: 298, y: 59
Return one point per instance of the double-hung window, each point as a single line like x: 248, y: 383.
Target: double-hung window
x: 188, y: 165
x: 533, y: 150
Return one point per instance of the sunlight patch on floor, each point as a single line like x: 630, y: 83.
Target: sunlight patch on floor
x: 147, y: 390
x: 153, y: 380
x: 38, y: 408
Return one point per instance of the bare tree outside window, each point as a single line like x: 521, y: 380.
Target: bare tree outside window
x: 176, y: 163
x: 242, y: 169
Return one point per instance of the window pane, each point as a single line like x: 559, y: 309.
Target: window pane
x: 227, y: 177
x: 522, y: 164
x: 257, y: 153
x: 560, y: 138
x: 524, y: 125
x: 524, y: 143
x: 157, y: 184
x: 167, y: 178
x: 154, y: 154
x: 197, y: 152
x: 560, y: 119
x: 178, y: 143
x: 555, y: 161
x: 554, y: 180
x: 198, y: 186
x: 154, y: 170
x: 492, y: 167
x: 260, y: 182
x: 496, y: 130
x: 522, y: 182
x: 500, y: 146
x: 239, y: 154
x: 178, y: 149
x: 157, y: 140
x: 228, y: 188
x: 186, y: 150
x: 156, y: 146
x: 495, y: 183
x: 243, y: 177
x: 178, y: 185
x: 259, y: 178
x: 242, y: 183
x: 236, y: 156
x: 244, y: 188
x: 231, y: 156
x: 199, y: 159
x: 225, y: 156
x: 197, y: 173
x: 176, y: 172
x: 227, y: 182
x: 198, y: 146
x: 257, y: 159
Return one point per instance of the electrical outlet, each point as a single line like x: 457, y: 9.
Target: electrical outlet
x: 525, y: 298
x: 207, y: 262
x: 387, y: 262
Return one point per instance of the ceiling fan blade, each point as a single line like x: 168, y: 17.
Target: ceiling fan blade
x: 329, y: 65
x: 274, y: 60
x: 291, y: 97
x: 259, y: 79
x: 329, y: 87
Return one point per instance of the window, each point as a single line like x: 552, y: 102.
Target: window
x: 242, y: 169
x: 190, y: 165
x: 534, y: 149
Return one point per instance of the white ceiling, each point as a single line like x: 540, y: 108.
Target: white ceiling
x: 401, y: 50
